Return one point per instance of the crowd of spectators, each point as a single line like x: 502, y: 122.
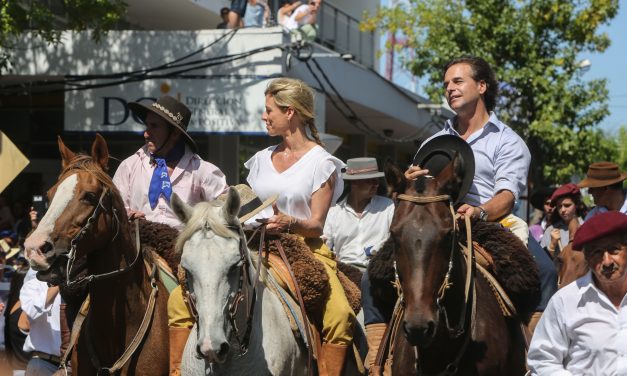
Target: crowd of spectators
x: 294, y: 15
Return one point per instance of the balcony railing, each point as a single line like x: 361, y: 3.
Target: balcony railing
x: 339, y: 31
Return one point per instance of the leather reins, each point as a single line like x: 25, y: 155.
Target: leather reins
x: 469, y: 286
x: 143, y: 328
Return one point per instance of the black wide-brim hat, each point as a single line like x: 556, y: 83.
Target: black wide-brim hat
x: 169, y: 109
x: 539, y: 197
x: 438, y: 152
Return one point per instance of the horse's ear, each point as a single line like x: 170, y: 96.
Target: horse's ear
x: 231, y: 207
x: 180, y: 208
x: 395, y: 178
x: 100, y: 152
x: 450, y: 178
x: 67, y: 155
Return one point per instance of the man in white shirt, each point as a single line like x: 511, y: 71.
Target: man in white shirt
x: 41, y: 305
x: 355, y: 229
x: 359, y: 224
x: 583, y: 330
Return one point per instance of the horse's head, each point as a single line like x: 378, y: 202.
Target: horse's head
x: 423, y: 236
x: 79, y: 218
x: 211, y: 257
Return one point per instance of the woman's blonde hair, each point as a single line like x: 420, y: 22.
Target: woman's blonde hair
x: 291, y: 92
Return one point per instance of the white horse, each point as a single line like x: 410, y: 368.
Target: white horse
x: 214, y: 264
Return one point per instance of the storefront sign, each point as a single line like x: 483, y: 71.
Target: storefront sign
x: 220, y: 105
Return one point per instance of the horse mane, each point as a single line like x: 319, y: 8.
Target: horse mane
x: 203, y: 216
x: 83, y: 162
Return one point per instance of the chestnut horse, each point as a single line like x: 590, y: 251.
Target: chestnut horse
x: 451, y: 325
x: 85, y: 239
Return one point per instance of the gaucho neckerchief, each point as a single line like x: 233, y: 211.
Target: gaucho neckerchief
x: 160, y: 183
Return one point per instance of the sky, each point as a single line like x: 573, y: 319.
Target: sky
x: 612, y: 65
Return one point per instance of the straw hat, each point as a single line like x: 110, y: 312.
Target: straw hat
x: 361, y: 168
x: 250, y: 203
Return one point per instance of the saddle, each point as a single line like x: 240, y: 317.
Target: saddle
x: 310, y: 274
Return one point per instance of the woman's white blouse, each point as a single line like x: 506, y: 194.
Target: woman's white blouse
x: 296, y: 185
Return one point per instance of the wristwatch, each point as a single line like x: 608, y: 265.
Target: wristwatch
x: 483, y: 214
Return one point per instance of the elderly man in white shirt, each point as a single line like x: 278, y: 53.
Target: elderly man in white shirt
x: 360, y: 222
x: 584, y: 328
x: 41, y: 305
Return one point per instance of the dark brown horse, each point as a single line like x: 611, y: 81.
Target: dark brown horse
x: 446, y: 328
x: 85, y: 240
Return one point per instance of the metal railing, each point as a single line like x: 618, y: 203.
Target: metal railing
x: 339, y: 31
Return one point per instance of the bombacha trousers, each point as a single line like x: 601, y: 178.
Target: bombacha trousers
x: 338, y: 319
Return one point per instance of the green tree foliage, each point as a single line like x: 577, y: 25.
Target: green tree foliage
x: 534, y: 47
x: 47, y: 19
x: 622, y: 147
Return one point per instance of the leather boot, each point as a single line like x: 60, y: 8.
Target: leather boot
x: 374, y: 335
x: 332, y: 358
x: 178, y: 339
x: 535, y: 317
x: 66, y: 333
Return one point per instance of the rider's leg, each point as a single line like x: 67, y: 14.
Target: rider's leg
x: 338, y: 319
x: 180, y: 322
x: 374, y: 322
x: 517, y: 226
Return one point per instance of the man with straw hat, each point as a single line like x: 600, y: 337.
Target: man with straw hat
x: 604, y: 181
x: 167, y: 164
x: 355, y: 230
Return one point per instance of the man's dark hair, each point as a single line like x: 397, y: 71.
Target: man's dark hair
x: 224, y: 11
x: 481, y: 71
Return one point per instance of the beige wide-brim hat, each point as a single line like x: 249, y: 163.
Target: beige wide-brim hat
x: 602, y: 174
x: 361, y: 168
x: 250, y: 204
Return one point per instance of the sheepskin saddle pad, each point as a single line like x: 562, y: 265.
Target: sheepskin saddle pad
x: 310, y: 273
x: 508, y: 260
x: 159, y: 239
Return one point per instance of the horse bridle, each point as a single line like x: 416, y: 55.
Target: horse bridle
x: 246, y: 290
x: 71, y: 254
x: 469, y: 287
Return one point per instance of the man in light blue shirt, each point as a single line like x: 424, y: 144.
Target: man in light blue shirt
x: 501, y: 156
x: 604, y: 181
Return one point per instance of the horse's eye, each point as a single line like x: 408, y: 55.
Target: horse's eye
x: 90, y: 197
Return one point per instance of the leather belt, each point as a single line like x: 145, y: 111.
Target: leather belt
x: 47, y: 357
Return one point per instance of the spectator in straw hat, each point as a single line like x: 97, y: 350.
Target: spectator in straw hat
x: 359, y: 224
x: 355, y: 229
x: 583, y: 331
x: 604, y: 181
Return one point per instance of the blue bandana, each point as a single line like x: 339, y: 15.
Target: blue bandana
x: 160, y: 183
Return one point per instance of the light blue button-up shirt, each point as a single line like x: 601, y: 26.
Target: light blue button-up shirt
x: 501, y: 160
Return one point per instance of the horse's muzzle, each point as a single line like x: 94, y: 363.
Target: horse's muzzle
x: 40, y: 258
x: 421, y: 335
x: 215, y: 356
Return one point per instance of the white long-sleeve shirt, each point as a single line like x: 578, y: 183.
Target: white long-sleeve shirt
x: 45, y: 332
x: 354, y: 239
x: 580, y: 333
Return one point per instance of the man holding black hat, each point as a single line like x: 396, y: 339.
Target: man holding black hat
x: 584, y: 328
x: 501, y: 156
x: 604, y: 181
x: 167, y: 164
